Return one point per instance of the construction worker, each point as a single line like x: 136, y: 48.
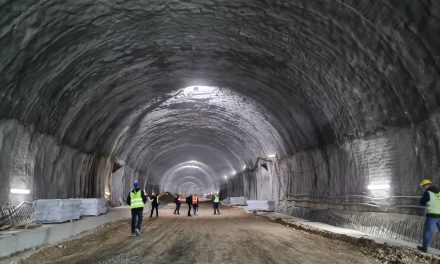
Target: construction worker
x: 189, y: 202
x: 136, y: 199
x: 216, y: 203
x: 178, y: 202
x: 195, y: 203
x: 430, y: 199
x: 155, y: 204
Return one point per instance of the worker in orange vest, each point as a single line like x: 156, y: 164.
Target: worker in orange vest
x: 195, y: 203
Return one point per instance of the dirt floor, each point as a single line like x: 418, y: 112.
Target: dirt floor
x: 231, y: 237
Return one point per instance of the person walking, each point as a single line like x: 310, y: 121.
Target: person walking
x: 195, y: 203
x: 216, y: 203
x: 136, y: 199
x: 178, y: 202
x: 430, y: 199
x: 189, y: 202
x: 155, y: 204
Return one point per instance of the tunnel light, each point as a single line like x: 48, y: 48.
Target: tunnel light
x: 378, y: 187
x: 226, y: 177
x: 233, y: 172
x: 106, y: 193
x: 199, y: 91
x: 20, y: 191
x: 271, y: 156
x: 244, y: 167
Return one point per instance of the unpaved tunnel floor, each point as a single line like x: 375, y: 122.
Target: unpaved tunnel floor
x: 232, y: 237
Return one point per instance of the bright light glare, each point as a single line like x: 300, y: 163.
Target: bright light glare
x: 244, y: 167
x: 271, y: 156
x: 20, y: 191
x: 378, y: 187
x: 107, y: 193
x: 226, y: 177
x: 199, y: 91
x: 233, y: 172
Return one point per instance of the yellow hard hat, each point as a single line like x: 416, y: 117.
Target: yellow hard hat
x: 425, y: 182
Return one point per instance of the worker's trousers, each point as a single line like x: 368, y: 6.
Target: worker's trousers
x: 177, y: 210
x: 216, y: 208
x: 189, y: 210
x: 136, y: 213
x: 430, y: 222
x: 152, y: 210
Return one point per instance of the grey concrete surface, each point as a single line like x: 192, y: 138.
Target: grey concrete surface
x: 288, y: 219
x: 13, y: 242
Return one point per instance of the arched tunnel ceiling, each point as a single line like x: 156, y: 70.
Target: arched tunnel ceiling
x: 105, y: 76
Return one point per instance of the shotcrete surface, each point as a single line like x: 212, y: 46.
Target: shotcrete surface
x: 232, y: 237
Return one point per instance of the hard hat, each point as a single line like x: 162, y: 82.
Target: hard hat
x: 425, y: 182
x: 136, y: 184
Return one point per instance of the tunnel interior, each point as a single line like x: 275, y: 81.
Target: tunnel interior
x: 323, y: 106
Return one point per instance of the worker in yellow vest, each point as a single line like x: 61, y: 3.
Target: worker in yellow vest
x: 155, y: 201
x: 195, y: 203
x: 216, y: 203
x: 136, y: 200
x: 430, y: 199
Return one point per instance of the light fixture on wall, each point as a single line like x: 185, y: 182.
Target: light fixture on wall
x: 383, y: 186
x: 271, y: 156
x: 20, y: 191
x: 107, y: 193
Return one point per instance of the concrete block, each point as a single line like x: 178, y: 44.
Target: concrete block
x: 56, y: 210
x: 260, y: 205
x: 93, y: 206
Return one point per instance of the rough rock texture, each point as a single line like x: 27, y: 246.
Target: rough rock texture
x: 188, y: 93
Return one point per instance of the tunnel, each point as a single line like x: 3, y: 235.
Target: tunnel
x: 329, y: 108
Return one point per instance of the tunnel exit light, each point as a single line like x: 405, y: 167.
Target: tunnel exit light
x: 20, y: 191
x: 378, y: 187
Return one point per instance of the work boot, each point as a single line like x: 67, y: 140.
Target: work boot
x: 137, y: 231
x: 422, y: 249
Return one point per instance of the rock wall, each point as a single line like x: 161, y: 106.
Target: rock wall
x: 35, y: 161
x: 335, y: 178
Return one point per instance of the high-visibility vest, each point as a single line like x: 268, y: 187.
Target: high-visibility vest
x: 194, y: 199
x: 216, y: 199
x: 136, y: 200
x: 157, y: 199
x: 433, y: 205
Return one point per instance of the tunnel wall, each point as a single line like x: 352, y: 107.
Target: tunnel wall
x: 35, y: 161
x: 329, y: 184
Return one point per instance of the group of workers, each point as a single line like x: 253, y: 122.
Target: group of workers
x: 193, y: 202
x: 137, y: 199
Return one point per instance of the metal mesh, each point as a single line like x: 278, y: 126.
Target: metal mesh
x: 18, y: 214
